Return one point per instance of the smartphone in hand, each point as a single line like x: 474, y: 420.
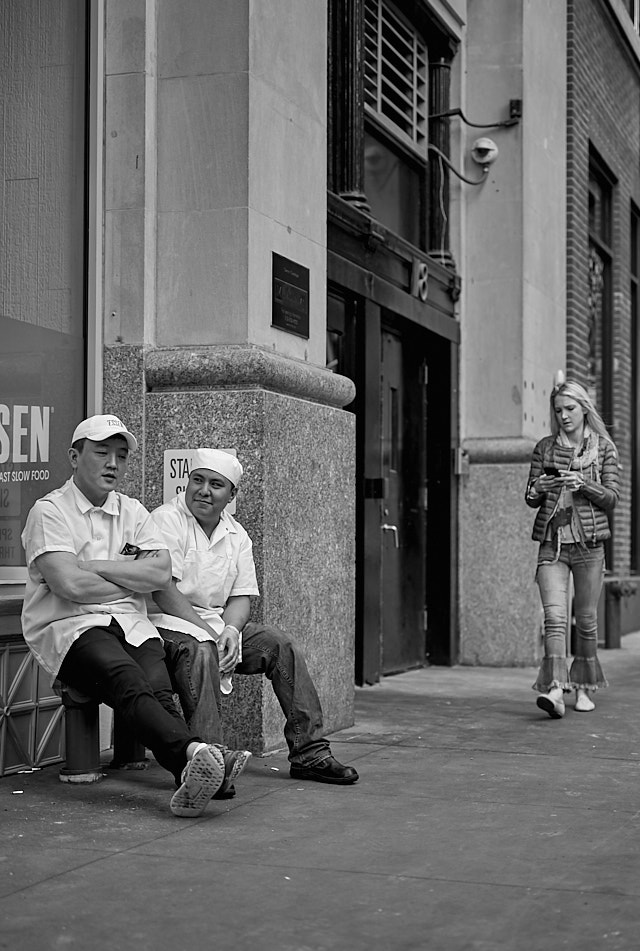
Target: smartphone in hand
x: 552, y: 471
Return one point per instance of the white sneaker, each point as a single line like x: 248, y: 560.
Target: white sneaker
x: 551, y: 705
x: 584, y: 703
x: 234, y: 762
x: 201, y: 778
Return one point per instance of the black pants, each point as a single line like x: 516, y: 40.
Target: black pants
x: 135, y: 683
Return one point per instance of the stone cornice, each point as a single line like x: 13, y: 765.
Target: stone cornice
x: 242, y: 367
x: 495, y: 451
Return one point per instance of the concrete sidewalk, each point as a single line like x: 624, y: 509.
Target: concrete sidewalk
x: 478, y: 823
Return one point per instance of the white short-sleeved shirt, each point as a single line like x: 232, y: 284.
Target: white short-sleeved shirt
x: 208, y: 571
x: 65, y: 520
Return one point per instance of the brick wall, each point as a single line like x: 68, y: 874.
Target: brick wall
x: 603, y: 100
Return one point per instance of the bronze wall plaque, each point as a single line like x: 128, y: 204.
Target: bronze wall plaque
x: 290, y: 304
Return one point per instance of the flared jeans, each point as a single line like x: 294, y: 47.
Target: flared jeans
x: 586, y: 564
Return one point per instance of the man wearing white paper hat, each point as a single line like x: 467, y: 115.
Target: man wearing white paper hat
x: 208, y: 601
x: 92, y: 555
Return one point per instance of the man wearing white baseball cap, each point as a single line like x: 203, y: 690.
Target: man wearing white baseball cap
x: 98, y: 428
x: 208, y: 601
x: 92, y: 555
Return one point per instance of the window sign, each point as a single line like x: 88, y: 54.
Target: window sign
x: 41, y: 399
x: 42, y: 260
x: 177, y: 466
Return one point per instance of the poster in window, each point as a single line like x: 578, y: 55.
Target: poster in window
x: 41, y: 402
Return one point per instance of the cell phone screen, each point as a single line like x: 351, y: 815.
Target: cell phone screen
x: 551, y: 471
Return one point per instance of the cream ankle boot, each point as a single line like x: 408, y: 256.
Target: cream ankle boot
x: 584, y: 703
x: 552, y: 703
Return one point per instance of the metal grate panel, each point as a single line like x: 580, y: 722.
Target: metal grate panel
x: 395, y: 73
x: 31, y: 715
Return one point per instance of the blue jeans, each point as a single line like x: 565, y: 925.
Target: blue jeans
x: 193, y: 666
x: 586, y: 564
x: 134, y: 682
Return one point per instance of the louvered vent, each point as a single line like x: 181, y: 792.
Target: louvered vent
x: 395, y: 74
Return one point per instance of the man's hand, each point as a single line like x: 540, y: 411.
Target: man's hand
x: 85, y: 566
x: 90, y: 565
x: 228, y: 649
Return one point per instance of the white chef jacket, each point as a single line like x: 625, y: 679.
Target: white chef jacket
x: 65, y: 520
x: 208, y: 571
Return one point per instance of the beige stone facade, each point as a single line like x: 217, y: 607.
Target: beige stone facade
x: 225, y: 135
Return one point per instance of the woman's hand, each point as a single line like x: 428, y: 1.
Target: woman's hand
x: 545, y: 483
x: 572, y: 480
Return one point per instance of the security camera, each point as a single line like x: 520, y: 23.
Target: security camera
x: 484, y: 151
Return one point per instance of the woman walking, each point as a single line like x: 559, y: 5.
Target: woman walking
x: 573, y: 482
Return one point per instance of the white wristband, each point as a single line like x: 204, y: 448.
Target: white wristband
x: 233, y: 628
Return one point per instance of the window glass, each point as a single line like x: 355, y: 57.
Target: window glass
x: 392, y: 188
x: 597, y: 315
x: 42, y: 259
x: 599, y: 302
x: 335, y: 332
x: 395, y: 145
x: 600, y: 210
x: 634, y: 400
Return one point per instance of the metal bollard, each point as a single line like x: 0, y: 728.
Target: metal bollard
x: 82, y: 739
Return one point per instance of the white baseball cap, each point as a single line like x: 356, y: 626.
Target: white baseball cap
x: 98, y: 428
x: 218, y: 461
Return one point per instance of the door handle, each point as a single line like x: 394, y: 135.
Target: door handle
x: 394, y: 529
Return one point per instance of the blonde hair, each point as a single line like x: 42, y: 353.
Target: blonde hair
x: 577, y: 392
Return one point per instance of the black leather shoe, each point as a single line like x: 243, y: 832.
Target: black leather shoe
x: 328, y: 771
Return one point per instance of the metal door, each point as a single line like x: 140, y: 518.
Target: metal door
x: 402, y: 511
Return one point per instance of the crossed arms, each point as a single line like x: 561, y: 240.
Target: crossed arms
x: 101, y: 580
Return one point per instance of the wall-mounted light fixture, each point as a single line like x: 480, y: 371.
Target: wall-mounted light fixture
x: 484, y: 151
